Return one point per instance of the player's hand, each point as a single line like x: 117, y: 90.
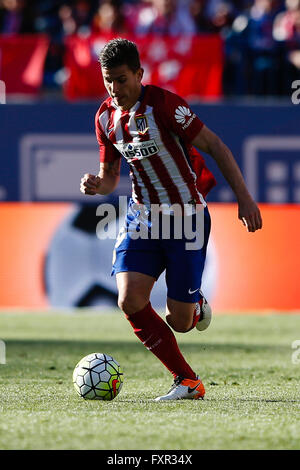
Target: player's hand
x: 250, y: 215
x: 90, y: 184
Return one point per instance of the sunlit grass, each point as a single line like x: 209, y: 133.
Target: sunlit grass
x: 252, y: 387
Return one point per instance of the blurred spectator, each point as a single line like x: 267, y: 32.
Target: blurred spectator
x: 110, y: 18
x: 16, y: 17
x: 264, y: 57
x: 253, y: 54
x: 287, y: 30
x: 68, y: 23
x: 286, y: 23
x: 58, y: 20
x: 197, y: 9
x: 82, y: 13
x: 223, y: 16
x: 260, y: 25
x: 46, y: 19
x: 165, y: 17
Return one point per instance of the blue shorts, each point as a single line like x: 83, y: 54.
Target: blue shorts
x: 184, y: 267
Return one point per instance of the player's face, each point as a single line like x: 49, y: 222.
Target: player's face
x: 123, y: 85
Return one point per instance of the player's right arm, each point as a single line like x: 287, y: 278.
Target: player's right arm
x: 105, y: 182
x: 110, y: 161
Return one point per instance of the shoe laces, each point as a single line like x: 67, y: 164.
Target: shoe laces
x: 177, y: 381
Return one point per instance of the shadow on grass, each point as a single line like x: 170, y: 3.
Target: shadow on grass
x: 210, y: 400
x: 134, y: 346
x: 214, y: 400
x: 253, y: 400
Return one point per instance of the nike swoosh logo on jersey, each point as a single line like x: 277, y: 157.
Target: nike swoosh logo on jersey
x: 193, y: 291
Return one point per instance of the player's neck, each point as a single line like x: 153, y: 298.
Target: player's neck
x: 135, y: 99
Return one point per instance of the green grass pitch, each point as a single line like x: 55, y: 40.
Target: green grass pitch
x: 252, y: 385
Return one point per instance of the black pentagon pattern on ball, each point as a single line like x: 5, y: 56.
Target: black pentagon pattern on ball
x: 93, y: 384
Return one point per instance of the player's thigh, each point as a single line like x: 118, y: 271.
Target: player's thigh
x: 134, y: 290
x: 179, y: 314
x: 185, y: 266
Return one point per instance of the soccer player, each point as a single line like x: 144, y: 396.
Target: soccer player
x: 157, y: 132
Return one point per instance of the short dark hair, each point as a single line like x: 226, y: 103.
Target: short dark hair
x: 118, y: 52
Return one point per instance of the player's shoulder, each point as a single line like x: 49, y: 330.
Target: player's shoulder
x: 157, y: 95
x: 104, y: 106
x: 103, y: 113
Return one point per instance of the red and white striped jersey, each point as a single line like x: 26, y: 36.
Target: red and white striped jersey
x: 155, y: 138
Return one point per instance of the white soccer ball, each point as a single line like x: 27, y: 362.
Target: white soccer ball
x: 98, y: 377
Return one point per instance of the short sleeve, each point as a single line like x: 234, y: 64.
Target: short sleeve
x: 108, y: 153
x: 180, y: 118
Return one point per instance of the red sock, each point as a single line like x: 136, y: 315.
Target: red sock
x: 158, y: 337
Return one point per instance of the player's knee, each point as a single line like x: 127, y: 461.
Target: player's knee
x: 180, y: 325
x: 131, y: 304
x: 125, y: 305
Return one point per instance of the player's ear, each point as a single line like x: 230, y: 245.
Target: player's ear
x: 140, y: 73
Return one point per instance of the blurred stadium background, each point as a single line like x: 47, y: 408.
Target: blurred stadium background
x: 236, y: 62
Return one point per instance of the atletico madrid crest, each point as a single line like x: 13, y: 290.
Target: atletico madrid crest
x: 141, y: 124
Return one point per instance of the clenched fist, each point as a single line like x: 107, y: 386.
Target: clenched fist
x: 90, y: 184
x: 250, y: 215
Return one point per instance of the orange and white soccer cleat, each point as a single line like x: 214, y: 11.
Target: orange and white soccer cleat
x: 184, y: 389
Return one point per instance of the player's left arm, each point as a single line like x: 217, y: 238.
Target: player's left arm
x: 210, y: 143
